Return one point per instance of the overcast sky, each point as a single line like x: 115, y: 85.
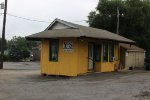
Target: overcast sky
x: 44, y: 10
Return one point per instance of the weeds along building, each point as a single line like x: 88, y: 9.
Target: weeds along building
x: 70, y: 49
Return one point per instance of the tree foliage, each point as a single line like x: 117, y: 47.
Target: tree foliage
x: 19, y: 48
x: 134, y: 19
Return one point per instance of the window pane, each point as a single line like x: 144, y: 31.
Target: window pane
x: 97, y: 52
x: 53, y: 50
x: 111, y: 52
x: 105, y: 52
x: 91, y: 51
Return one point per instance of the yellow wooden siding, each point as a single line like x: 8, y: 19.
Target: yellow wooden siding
x: 99, y: 66
x: 82, y: 57
x: 67, y: 61
x: 75, y: 62
x: 109, y: 66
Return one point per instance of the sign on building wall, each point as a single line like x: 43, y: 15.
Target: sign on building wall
x: 67, y: 46
x: 127, y: 53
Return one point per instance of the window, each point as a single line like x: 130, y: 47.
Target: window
x: 97, y: 53
x: 105, y: 52
x: 116, y: 49
x: 53, y: 50
x: 111, y: 52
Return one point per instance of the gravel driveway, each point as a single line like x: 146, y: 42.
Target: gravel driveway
x: 22, y: 81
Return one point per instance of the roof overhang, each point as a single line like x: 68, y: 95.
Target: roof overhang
x: 83, y: 37
x: 77, y: 31
x: 131, y: 48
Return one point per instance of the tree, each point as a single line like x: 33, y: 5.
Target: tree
x: 19, y: 48
x: 134, y: 19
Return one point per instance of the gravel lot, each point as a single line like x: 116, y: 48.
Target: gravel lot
x: 22, y: 81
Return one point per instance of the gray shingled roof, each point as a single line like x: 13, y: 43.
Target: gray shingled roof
x: 131, y: 47
x: 78, y: 31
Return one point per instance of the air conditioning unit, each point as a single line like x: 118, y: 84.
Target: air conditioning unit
x: 113, y: 58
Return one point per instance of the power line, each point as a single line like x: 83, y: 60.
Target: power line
x: 12, y: 15
x: 27, y: 18
x: 37, y: 20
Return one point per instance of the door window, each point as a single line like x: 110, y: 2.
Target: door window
x: 91, y: 56
x: 97, y: 53
x: 105, y: 52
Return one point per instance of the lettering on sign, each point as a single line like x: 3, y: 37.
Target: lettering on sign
x: 68, y: 46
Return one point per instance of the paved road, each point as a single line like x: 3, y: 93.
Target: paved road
x: 22, y: 81
x: 21, y: 65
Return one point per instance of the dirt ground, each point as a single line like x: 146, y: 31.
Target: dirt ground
x: 22, y: 81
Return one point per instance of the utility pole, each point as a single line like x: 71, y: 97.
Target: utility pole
x: 118, y: 19
x: 3, y: 36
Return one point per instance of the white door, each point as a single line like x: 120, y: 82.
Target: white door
x: 91, y: 56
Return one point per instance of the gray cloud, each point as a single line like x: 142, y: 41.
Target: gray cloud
x: 46, y: 10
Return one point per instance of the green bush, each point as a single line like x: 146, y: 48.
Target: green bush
x: 18, y: 49
x: 6, y: 58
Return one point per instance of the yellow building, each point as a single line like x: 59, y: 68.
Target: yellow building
x: 70, y: 49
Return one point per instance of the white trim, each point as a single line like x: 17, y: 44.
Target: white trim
x: 135, y: 50
x: 58, y: 20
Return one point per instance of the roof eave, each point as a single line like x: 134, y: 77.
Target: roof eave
x: 40, y: 38
x: 127, y: 42
x: 33, y: 39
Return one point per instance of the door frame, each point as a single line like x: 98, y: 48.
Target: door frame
x: 93, y: 56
